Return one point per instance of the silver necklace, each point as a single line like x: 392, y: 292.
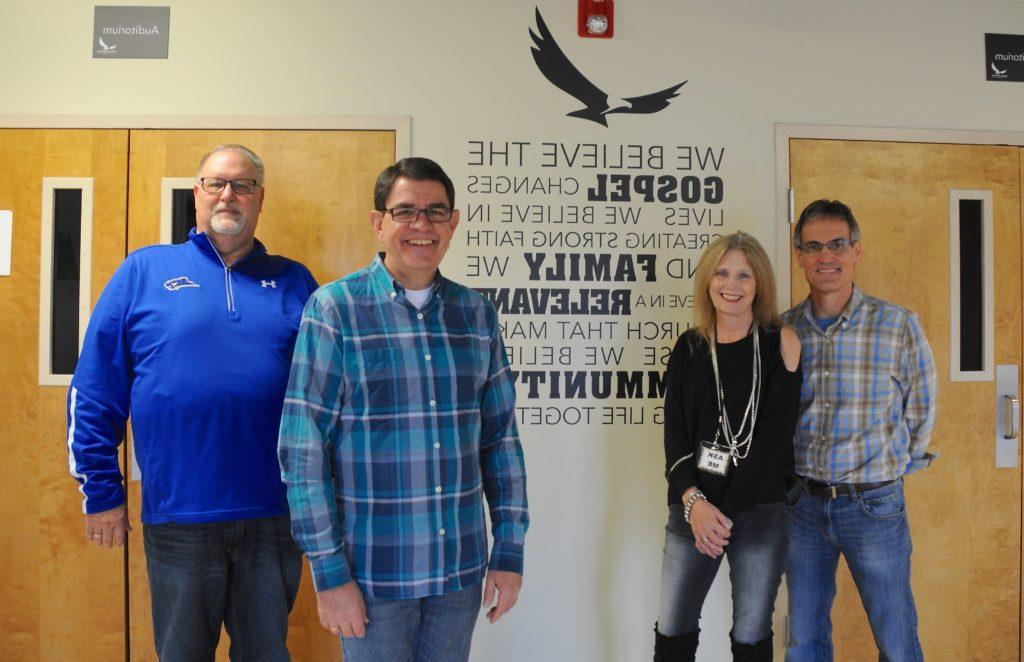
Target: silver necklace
x: 740, y: 441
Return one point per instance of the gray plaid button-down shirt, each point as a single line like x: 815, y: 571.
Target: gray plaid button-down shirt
x: 867, y: 405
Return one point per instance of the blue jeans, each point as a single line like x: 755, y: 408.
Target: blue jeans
x: 242, y: 573
x: 871, y: 531
x: 756, y: 551
x: 438, y: 628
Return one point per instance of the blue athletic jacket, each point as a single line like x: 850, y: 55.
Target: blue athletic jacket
x: 198, y: 354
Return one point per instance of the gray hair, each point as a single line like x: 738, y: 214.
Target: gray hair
x: 256, y: 161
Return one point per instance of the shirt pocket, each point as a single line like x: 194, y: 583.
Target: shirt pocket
x: 389, y: 379
x: 465, y: 366
x: 879, y: 387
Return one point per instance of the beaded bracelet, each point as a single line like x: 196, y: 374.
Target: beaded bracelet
x: 697, y: 494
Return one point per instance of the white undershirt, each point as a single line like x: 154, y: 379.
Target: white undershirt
x: 418, y: 298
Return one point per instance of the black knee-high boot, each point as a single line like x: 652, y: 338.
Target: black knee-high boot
x: 681, y: 648
x: 759, y: 652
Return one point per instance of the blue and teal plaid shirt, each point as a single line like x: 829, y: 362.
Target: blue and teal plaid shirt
x: 867, y: 405
x: 396, y: 423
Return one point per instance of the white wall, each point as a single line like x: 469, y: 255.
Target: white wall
x: 463, y: 71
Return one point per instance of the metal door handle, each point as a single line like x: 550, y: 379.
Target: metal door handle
x: 1011, y: 414
x: 1007, y: 415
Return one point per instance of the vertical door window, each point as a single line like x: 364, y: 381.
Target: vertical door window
x: 64, y: 275
x: 177, y: 209
x: 971, y: 287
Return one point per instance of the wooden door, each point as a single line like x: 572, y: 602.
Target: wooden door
x: 965, y: 514
x: 319, y: 192
x: 61, y: 598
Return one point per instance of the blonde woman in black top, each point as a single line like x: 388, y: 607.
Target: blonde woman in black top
x: 732, y: 393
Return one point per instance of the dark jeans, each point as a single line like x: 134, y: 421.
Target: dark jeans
x: 242, y: 573
x: 757, y: 553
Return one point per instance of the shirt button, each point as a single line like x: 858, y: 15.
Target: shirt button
x: 428, y: 357
x: 433, y: 403
x: 440, y: 532
x: 438, y: 489
x: 828, y: 372
x: 827, y: 405
x: 419, y: 316
x: 394, y: 294
x: 437, y: 444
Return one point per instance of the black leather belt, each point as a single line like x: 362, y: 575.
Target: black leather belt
x: 833, y: 490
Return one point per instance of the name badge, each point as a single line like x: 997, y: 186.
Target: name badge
x: 713, y: 459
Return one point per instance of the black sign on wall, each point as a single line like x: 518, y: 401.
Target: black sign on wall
x: 1004, y: 57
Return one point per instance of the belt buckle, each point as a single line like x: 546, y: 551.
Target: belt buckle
x: 832, y: 489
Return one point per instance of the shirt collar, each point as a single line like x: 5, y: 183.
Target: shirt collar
x: 202, y: 241
x: 390, y: 286
x: 845, y: 316
x: 853, y: 304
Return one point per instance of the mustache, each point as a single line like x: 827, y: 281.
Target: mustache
x: 227, y: 206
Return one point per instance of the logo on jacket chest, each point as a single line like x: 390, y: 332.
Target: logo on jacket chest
x: 181, y: 282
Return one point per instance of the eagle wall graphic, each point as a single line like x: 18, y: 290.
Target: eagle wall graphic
x: 557, y: 68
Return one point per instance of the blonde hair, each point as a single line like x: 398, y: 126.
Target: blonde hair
x: 764, y: 307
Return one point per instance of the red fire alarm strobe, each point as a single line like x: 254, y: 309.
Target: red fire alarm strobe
x: 596, y: 19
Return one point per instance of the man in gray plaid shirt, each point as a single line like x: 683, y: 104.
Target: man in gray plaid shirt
x: 867, y: 411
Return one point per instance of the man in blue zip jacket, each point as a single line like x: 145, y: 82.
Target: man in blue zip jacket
x: 195, y: 341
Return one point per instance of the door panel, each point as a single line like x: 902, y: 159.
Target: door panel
x: 61, y: 598
x: 319, y: 187
x: 965, y: 514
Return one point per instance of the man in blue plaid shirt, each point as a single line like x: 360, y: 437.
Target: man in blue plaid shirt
x: 399, y: 419
x: 867, y: 411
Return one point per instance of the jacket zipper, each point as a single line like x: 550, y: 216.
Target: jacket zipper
x: 228, y: 291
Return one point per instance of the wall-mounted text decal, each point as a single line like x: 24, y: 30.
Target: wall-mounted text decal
x: 587, y: 251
